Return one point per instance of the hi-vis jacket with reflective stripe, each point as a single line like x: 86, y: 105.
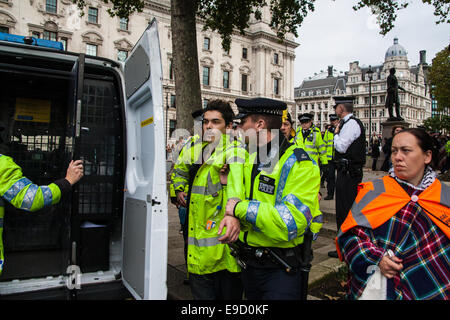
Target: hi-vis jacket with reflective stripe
x: 205, y: 253
x: 284, y: 201
x: 187, y: 156
x: 313, y: 144
x: 328, y: 139
x: 379, y: 200
x: 21, y: 193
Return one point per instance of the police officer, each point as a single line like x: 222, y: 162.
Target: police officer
x: 350, y: 156
x: 287, y: 127
x: 213, y: 271
x: 24, y: 194
x: 281, y: 183
x: 328, y: 139
x: 311, y: 137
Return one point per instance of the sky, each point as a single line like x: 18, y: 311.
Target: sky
x: 335, y: 34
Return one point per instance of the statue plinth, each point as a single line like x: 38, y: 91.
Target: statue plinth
x: 387, y: 133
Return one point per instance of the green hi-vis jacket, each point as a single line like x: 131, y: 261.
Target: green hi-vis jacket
x: 284, y: 201
x: 313, y: 144
x: 328, y: 139
x: 21, y: 193
x: 206, y: 254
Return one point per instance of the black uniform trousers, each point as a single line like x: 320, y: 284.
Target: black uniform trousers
x: 331, y: 178
x: 346, y: 190
x: 271, y: 284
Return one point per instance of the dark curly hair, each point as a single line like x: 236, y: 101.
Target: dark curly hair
x: 223, y: 107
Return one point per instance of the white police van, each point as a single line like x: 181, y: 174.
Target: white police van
x: 110, y: 239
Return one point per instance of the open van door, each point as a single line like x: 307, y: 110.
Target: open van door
x: 145, y: 222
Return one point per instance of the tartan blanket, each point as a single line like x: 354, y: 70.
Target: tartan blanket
x: 415, y: 239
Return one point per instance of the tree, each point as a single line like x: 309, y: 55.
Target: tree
x: 439, y: 79
x: 225, y: 16
x: 437, y: 124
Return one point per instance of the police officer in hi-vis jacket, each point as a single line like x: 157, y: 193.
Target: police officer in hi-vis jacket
x: 281, y: 204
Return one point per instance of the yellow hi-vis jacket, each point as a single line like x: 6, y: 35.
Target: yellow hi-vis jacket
x: 313, y: 144
x: 208, y: 197
x: 284, y: 201
x: 21, y: 193
x: 328, y: 140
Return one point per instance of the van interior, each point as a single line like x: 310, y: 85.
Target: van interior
x: 39, y: 107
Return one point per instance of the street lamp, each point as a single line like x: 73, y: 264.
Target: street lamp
x: 370, y: 74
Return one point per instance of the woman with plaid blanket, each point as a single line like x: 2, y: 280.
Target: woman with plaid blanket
x: 399, y: 227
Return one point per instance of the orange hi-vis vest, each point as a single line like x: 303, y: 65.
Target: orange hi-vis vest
x: 377, y: 201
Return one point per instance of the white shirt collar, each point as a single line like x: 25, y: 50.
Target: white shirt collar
x: 347, y: 116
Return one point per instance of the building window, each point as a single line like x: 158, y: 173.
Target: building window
x: 123, y: 24
x: 172, y: 126
x: 244, y: 83
x: 206, y: 76
x: 276, y: 86
x: 36, y: 34
x: 205, y: 103
x: 4, y: 29
x: 93, y: 15
x: 122, y: 55
x: 50, y: 6
x: 244, y: 53
x: 226, y: 79
x: 172, y: 101
x: 49, y: 35
x: 91, y: 49
x: 206, y: 43
x: 275, y: 58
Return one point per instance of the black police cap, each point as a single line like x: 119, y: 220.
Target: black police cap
x: 259, y: 106
x: 305, y: 117
x: 343, y: 99
x: 333, y: 117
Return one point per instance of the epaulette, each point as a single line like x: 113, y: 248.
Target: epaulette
x: 301, y: 155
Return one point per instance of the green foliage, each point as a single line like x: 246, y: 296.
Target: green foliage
x: 437, y: 124
x: 224, y: 16
x: 439, y: 79
x: 121, y: 8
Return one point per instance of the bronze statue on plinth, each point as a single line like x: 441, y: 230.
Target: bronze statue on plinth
x: 392, y: 96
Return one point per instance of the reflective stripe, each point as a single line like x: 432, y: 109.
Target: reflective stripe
x: 207, y: 242
x: 318, y: 219
x: 28, y: 199
x: 16, y: 188
x: 288, y: 219
x: 210, y: 189
x: 287, y: 166
x: 445, y: 194
x: 358, y: 216
x: 292, y: 199
x: 181, y: 173
x: 47, y: 195
x: 252, y: 212
x: 178, y: 184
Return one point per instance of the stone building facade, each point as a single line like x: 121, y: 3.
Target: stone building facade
x: 415, y: 104
x: 256, y: 65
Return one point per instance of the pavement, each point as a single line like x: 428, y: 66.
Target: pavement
x: 322, y: 265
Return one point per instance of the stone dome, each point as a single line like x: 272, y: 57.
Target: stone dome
x: 396, y: 50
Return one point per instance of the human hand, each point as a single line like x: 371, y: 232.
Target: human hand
x: 232, y: 232
x: 181, y: 198
x: 229, y: 208
x: 390, y: 266
x: 223, y: 174
x: 74, y: 171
